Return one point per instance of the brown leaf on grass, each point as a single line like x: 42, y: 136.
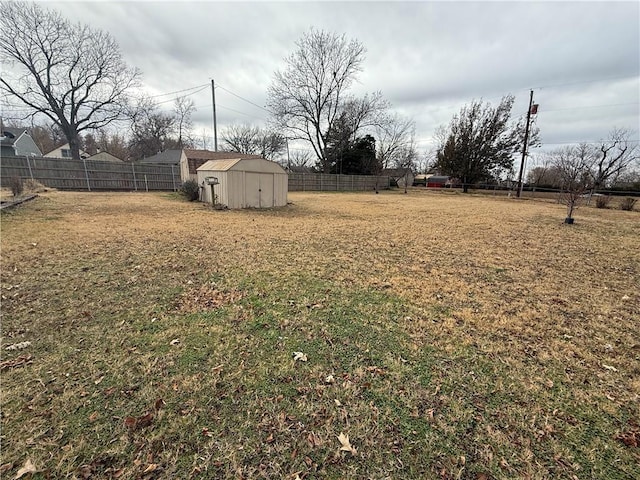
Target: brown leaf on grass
x: 6, y: 467
x: 152, y: 467
x: 346, y: 444
x: 144, y: 420
x: 631, y: 438
x: 28, y: 467
x: 20, y: 361
x: 133, y: 423
x: 93, y: 417
x: 207, y: 297
x: 159, y: 404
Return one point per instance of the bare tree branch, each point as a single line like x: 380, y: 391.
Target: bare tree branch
x: 307, y: 96
x: 71, y: 73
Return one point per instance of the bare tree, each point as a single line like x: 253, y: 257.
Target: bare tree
x: 299, y: 160
x: 308, y: 95
x: 271, y: 145
x: 573, y: 164
x: 240, y: 138
x: 253, y: 140
x: 113, y: 143
x: 613, y: 157
x: 394, y: 138
x: 183, y: 108
x: 152, y: 131
x: 70, y: 73
x: 365, y: 113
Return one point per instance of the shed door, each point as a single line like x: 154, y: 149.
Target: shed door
x: 266, y: 190
x: 259, y: 190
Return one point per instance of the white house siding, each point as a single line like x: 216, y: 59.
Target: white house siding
x: 184, y: 168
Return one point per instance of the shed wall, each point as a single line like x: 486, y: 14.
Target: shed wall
x: 247, y: 188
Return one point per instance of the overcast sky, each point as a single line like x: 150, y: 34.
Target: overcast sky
x: 582, y: 59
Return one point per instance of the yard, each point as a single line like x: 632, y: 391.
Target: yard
x: 445, y: 336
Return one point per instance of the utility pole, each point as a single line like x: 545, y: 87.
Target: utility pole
x: 524, y: 147
x: 288, y: 157
x: 215, y: 123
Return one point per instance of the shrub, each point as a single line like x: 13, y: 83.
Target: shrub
x: 603, y: 202
x: 34, y: 186
x: 628, y: 203
x: 191, y: 190
x: 16, y: 185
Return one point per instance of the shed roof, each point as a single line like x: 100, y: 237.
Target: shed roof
x: 251, y: 164
x: 219, y: 165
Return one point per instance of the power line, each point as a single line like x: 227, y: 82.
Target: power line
x: 592, y: 106
x: 590, y: 142
x: 242, y: 98
x: 180, y: 91
x: 189, y: 94
x: 581, y: 81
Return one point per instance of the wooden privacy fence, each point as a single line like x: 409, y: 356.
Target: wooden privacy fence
x: 94, y: 175
x: 336, y: 183
x: 68, y: 174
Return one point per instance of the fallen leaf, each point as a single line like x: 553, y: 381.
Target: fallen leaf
x: 21, y: 361
x: 159, y: 404
x: 98, y: 381
x: 144, y: 420
x: 28, y: 468
x: 337, y: 402
x: 150, y: 468
x: 609, y: 367
x: 206, y: 432
x: 93, y: 417
x: 18, y: 346
x: 6, y: 467
x: 175, y: 341
x: 299, y: 356
x: 329, y: 379
x: 130, y: 422
x: 346, y: 444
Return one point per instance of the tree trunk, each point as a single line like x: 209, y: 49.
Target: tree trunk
x: 74, y: 145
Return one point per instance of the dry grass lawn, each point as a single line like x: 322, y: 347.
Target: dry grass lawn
x: 446, y: 335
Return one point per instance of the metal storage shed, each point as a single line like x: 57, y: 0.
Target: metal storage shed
x: 244, y: 183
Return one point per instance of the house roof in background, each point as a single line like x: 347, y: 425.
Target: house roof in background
x: 209, y: 155
x: 169, y: 157
x: 11, y: 134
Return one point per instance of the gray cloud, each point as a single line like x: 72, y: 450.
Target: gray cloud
x: 428, y: 59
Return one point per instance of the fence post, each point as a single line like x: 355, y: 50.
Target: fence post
x: 146, y: 184
x: 135, y: 182
x: 86, y: 173
x: 173, y: 179
x: 321, y: 183
x: 303, y: 182
x: 337, y: 182
x: 29, y: 165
